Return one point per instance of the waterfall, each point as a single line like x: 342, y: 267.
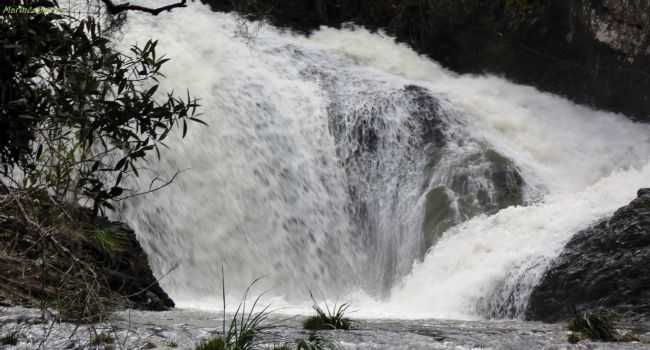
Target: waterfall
x: 346, y: 164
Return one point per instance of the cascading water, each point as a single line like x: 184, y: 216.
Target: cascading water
x: 347, y: 164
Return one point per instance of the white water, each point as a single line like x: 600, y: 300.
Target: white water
x: 267, y: 193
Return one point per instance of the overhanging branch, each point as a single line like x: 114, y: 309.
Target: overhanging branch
x: 114, y: 9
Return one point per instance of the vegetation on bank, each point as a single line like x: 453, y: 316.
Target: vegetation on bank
x: 242, y: 330
x: 77, y: 120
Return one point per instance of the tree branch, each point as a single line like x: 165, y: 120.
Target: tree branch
x: 115, y: 9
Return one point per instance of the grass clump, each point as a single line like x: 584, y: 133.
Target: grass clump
x: 245, y: 324
x: 102, y: 339
x: 593, y: 326
x: 243, y: 327
x: 109, y: 241
x: 10, y: 339
x: 328, y: 319
x: 212, y: 344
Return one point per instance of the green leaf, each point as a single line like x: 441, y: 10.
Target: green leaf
x: 121, y: 163
x: 115, y: 192
x: 39, y: 151
x: 198, y: 121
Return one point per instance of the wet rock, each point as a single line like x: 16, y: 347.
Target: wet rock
x: 479, y: 183
x: 594, y: 52
x: 602, y: 267
x: 128, y: 272
x: 91, y: 266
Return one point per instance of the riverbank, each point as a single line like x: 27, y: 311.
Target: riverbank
x: 64, y: 258
x: 182, y: 329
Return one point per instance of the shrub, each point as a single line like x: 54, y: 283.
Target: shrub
x: 77, y: 115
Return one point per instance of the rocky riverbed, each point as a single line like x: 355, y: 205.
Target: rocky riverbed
x: 183, y: 329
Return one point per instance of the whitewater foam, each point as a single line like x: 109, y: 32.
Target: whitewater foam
x: 266, y: 194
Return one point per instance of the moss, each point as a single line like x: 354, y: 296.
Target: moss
x: 438, y: 216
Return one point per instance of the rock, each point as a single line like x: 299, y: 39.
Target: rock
x: 602, y: 267
x: 128, y: 271
x: 594, y: 52
x: 93, y: 265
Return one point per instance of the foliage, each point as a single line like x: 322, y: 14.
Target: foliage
x: 55, y: 256
x: 594, y: 326
x: 328, y: 319
x: 76, y: 116
x: 109, y: 241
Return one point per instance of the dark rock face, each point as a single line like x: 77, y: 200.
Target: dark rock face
x: 91, y: 265
x: 128, y: 273
x: 605, y: 266
x: 594, y: 52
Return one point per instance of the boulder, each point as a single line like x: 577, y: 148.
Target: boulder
x: 602, y: 267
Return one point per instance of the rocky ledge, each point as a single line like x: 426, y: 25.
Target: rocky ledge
x: 66, y: 259
x: 594, y: 52
x: 603, y: 267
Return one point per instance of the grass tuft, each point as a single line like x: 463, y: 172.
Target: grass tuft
x: 244, y: 325
x: 328, y: 319
x: 110, y: 242
x: 212, y: 344
x: 102, y: 339
x: 593, y: 326
x: 10, y: 339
